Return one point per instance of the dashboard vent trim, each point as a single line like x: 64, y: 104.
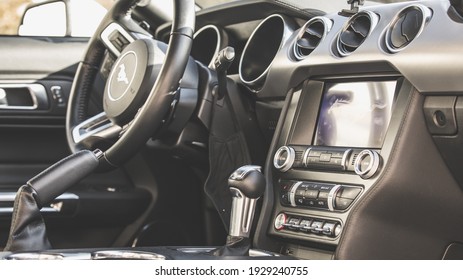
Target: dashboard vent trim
x: 310, y: 36
x: 406, y: 26
x: 354, y: 33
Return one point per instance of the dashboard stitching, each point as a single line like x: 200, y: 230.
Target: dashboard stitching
x: 373, y: 190
x: 282, y: 3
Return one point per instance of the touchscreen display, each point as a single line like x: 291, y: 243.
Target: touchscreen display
x: 355, y: 114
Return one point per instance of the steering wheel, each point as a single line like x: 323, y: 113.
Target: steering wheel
x: 141, y: 86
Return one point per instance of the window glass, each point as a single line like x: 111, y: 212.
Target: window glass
x: 50, y: 18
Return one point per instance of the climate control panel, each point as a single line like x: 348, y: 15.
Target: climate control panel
x: 332, y: 197
x: 365, y: 163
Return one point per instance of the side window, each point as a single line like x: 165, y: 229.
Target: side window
x: 75, y: 18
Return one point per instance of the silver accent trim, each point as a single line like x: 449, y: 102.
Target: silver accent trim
x: 327, y: 23
x: 305, y: 156
x: 292, y: 194
x: 372, y: 168
x: 344, y: 159
x: 427, y: 15
x: 38, y: 95
x: 219, y: 41
x: 285, y: 36
x: 241, y: 172
x: 242, y: 213
x: 126, y: 255
x: 280, y: 221
x: 10, y: 196
x: 108, y: 31
x: 53, y: 208
x: 289, y: 160
x: 84, y: 129
x: 374, y: 19
x: 332, y: 197
x: 252, y: 252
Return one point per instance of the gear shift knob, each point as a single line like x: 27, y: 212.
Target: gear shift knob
x: 246, y: 184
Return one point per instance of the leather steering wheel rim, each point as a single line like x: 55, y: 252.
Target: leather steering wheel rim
x: 149, y: 117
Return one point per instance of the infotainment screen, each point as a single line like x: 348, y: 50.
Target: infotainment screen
x: 355, y: 114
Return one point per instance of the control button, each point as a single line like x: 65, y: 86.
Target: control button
x: 325, y: 157
x: 310, y: 202
x: 342, y: 203
x: 323, y: 195
x: 312, y: 160
x: 285, y: 199
x: 349, y: 192
x: 336, y: 161
x: 284, y: 158
x: 317, y: 226
x: 305, y: 225
x: 315, y: 153
x: 299, y: 201
x: 285, y: 185
x: 300, y: 191
x: 337, y: 154
x: 328, y: 229
x: 294, y: 223
x: 322, y: 203
x: 311, y: 193
x: 367, y: 164
x: 57, y: 93
x: 280, y: 220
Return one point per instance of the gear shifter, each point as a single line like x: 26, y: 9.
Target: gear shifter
x: 246, y: 184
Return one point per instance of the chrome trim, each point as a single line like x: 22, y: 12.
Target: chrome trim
x: 38, y: 95
x: 289, y: 160
x: 55, y: 207
x: 195, y: 250
x: 126, y: 255
x: 372, y: 168
x: 305, y: 156
x: 241, y: 172
x: 77, y: 136
x: 374, y: 19
x: 332, y: 197
x: 108, y: 31
x: 427, y: 15
x: 278, y: 224
x: 292, y: 193
x: 219, y: 40
x: 242, y: 213
x: 327, y: 23
x: 10, y: 196
x: 285, y: 36
x: 345, y: 156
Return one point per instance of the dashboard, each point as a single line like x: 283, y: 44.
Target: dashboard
x: 364, y: 159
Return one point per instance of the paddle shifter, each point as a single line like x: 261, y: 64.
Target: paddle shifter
x: 246, y: 184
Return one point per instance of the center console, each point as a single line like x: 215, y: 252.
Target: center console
x: 337, y: 135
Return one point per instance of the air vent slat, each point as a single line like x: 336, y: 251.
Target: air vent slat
x: 356, y: 31
x: 312, y: 33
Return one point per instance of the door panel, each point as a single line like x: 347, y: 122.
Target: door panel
x: 97, y: 209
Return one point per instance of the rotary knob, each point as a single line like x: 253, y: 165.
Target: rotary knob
x: 284, y: 158
x: 367, y: 164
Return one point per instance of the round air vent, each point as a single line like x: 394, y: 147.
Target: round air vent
x: 406, y: 26
x: 310, y: 36
x: 356, y: 31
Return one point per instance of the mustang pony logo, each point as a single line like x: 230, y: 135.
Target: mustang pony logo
x: 122, y: 76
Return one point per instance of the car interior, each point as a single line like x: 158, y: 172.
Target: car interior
x: 246, y: 129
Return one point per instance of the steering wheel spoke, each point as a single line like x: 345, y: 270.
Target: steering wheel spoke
x: 116, y: 38
x: 95, y: 129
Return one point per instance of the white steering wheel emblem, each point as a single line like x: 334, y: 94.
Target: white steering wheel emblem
x: 122, y: 76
